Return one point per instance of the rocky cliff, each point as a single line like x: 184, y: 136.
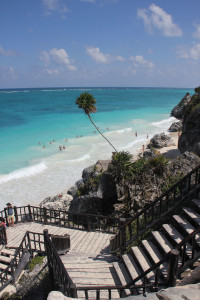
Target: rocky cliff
x: 190, y: 137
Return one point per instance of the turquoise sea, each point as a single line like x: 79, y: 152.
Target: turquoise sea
x: 31, y: 119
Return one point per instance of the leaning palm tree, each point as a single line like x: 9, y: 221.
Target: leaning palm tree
x: 87, y: 102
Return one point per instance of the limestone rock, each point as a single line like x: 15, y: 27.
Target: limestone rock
x: 175, y: 127
x: 179, y: 110
x: 160, y: 140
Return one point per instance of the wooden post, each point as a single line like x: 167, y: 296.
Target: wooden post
x: 6, y: 215
x: 88, y: 223
x: 51, y: 273
x: 45, y: 215
x: 173, y: 267
x: 30, y: 214
x: 16, y: 214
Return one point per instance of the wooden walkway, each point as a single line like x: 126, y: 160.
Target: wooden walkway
x: 88, y: 262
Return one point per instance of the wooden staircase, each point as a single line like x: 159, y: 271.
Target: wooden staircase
x: 157, y: 246
x: 6, y: 256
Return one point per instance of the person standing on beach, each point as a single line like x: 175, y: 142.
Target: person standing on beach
x: 10, y: 214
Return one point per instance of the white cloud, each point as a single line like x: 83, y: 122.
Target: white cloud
x: 156, y: 17
x: 193, y: 52
x: 99, y: 57
x: 139, y: 61
x: 58, y: 57
x: 196, y: 34
x: 6, y: 52
x: 7, y: 72
x: 55, y: 5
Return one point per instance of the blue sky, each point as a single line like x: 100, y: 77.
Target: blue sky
x: 82, y: 43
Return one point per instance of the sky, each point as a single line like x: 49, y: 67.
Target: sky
x: 99, y: 43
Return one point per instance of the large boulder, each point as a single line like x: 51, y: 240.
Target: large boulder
x: 58, y: 202
x: 179, y: 110
x: 176, y: 126
x: 160, y: 140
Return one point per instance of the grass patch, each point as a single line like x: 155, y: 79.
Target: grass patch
x: 35, y: 261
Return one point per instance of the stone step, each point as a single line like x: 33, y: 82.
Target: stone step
x: 196, y: 203
x: 162, y: 242
x: 131, y: 267
x: 143, y: 262
x: 155, y: 256
x: 174, y: 235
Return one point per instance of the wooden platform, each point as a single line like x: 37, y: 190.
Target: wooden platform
x: 88, y: 262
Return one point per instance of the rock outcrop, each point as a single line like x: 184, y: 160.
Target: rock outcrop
x: 160, y: 140
x: 176, y: 126
x: 179, y: 110
x: 190, y: 137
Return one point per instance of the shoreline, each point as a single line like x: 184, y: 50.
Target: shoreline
x: 170, y: 152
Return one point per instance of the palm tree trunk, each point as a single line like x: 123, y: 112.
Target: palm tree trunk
x: 101, y: 133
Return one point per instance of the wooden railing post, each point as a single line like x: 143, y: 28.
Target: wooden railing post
x: 30, y: 213
x: 16, y: 214
x: 173, y: 267
x: 51, y: 274
x: 88, y: 223
x: 6, y: 215
x: 45, y: 215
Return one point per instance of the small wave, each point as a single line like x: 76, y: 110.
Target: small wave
x: 169, y: 120
x: 84, y: 157
x: 121, y: 130
x: 25, y: 172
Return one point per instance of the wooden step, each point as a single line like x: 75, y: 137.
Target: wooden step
x: 123, y: 276
x: 196, y: 204
x: 162, y: 242
x: 186, y: 227
x: 174, y: 235
x: 155, y: 256
x: 131, y: 267
x: 8, y: 251
x: 3, y: 267
x: 143, y: 262
x: 192, y: 215
x: 5, y: 259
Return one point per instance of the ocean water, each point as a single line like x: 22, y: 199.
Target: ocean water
x: 31, y: 119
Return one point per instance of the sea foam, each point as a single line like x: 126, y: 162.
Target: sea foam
x: 24, y: 172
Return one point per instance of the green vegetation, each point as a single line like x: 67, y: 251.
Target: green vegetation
x: 87, y: 102
x: 35, y: 261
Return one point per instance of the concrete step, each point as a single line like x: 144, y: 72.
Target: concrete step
x: 155, y: 256
x: 175, y: 237
x: 162, y: 242
x: 143, y: 262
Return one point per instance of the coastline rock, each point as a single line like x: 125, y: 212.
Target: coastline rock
x: 179, y: 110
x: 176, y: 126
x: 160, y: 140
x: 190, y: 137
x: 58, y: 202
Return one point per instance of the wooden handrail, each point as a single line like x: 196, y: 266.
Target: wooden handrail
x: 162, y: 206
